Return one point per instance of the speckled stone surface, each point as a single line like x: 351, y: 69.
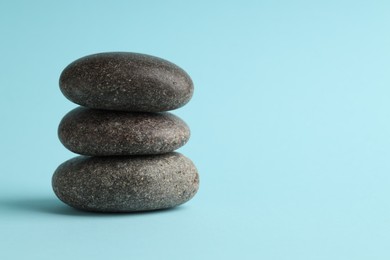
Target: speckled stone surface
x: 125, y: 184
x: 127, y: 82
x: 102, y: 132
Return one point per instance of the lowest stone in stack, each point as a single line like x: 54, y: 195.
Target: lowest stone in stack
x: 125, y: 138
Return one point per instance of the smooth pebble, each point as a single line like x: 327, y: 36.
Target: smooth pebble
x: 126, y: 81
x: 126, y: 184
x: 102, y: 132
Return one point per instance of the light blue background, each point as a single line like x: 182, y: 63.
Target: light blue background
x: 290, y: 128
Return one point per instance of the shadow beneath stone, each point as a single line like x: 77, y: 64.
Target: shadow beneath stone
x: 53, y: 206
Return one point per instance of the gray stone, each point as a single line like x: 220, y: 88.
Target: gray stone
x: 103, y: 132
x: 126, y: 183
x: 126, y: 81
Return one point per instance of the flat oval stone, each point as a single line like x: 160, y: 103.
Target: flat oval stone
x: 102, y: 132
x: 126, y: 183
x: 126, y: 81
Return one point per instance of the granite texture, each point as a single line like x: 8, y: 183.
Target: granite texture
x: 126, y: 81
x: 102, y: 132
x: 126, y: 183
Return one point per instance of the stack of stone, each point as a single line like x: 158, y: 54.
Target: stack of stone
x: 125, y: 137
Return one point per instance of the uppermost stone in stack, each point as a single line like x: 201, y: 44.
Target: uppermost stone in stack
x: 126, y: 82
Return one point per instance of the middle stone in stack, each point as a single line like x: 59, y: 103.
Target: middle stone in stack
x: 124, y: 128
